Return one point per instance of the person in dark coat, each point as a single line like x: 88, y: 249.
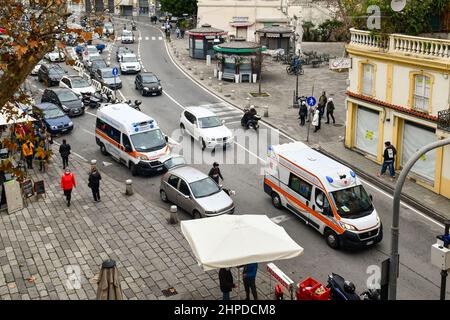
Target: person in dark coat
x: 303, y: 112
x: 94, y: 183
x: 389, y: 157
x: 226, y: 282
x: 215, y: 173
x: 64, y: 151
x: 321, y: 105
x: 330, y: 110
x: 249, y: 277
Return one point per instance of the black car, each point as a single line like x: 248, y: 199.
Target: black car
x: 64, y: 98
x: 97, y: 64
x: 148, y: 84
x: 54, y: 118
x: 50, y: 74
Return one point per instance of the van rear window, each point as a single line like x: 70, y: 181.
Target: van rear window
x: 300, y: 186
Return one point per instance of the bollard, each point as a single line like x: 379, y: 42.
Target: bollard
x: 189, y: 66
x: 236, y: 78
x: 129, y: 187
x: 201, y: 75
x: 232, y: 95
x: 247, y: 102
x: 209, y: 81
x: 215, y: 73
x: 173, y: 217
x: 220, y: 75
x: 266, y: 111
x: 208, y: 60
x: 220, y: 86
x: 195, y: 70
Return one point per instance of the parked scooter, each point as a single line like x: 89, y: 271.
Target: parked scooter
x: 341, y: 289
x: 250, y: 119
x: 135, y: 105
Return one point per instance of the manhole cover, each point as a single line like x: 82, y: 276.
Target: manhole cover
x: 338, y: 125
x: 169, y: 292
x: 257, y: 94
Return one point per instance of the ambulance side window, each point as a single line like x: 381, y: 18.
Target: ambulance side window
x: 110, y: 131
x: 300, y: 186
x: 126, y: 141
x: 323, y: 206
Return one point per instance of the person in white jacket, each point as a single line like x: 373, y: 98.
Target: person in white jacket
x: 316, y: 120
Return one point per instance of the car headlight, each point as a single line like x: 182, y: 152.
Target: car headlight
x: 378, y: 220
x: 347, y: 226
x: 159, y: 87
x: 54, y: 127
x: 65, y: 108
x: 145, y: 158
x: 146, y: 88
x: 70, y: 123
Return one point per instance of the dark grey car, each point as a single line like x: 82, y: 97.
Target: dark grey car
x: 66, y: 99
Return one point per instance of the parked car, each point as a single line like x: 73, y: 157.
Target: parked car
x: 206, y: 127
x: 129, y: 63
x: 88, y: 61
x: 97, y: 64
x: 89, y: 51
x: 106, y: 78
x: 120, y: 51
x: 127, y: 36
x: 57, y: 55
x: 77, y: 84
x: 36, y: 68
x: 195, y: 192
x: 108, y: 28
x: 50, y: 74
x: 148, y: 84
x: 64, y: 98
x: 54, y: 118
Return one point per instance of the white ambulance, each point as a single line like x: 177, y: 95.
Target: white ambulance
x: 324, y: 193
x: 131, y: 137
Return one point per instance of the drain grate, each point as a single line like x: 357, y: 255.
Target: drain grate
x: 169, y: 292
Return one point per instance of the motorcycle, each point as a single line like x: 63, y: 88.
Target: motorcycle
x: 252, y: 123
x: 133, y: 26
x: 341, y: 289
x: 135, y: 105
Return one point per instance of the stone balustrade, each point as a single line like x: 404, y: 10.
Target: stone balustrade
x: 401, y: 44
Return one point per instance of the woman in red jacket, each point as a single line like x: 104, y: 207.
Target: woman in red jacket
x: 67, y: 184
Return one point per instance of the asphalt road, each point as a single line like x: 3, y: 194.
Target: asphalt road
x: 417, y: 280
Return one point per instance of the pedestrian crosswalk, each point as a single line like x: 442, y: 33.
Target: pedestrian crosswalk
x: 224, y: 111
x: 145, y: 38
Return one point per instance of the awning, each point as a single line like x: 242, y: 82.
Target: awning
x: 241, y: 24
x: 207, y: 34
x: 234, y: 240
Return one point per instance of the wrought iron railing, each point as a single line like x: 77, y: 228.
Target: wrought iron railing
x: 444, y: 120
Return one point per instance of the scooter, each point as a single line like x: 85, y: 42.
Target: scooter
x: 341, y: 289
x: 251, y: 124
x: 135, y: 105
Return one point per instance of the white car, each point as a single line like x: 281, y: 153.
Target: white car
x: 127, y: 36
x: 55, y: 56
x: 206, y: 127
x: 108, y: 28
x: 77, y: 84
x: 129, y: 63
x: 36, y: 68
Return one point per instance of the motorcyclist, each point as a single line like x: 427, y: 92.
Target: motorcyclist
x: 250, y: 115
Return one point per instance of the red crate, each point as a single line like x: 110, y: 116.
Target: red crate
x: 306, y: 290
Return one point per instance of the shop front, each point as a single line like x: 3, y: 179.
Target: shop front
x: 203, y: 39
x: 275, y: 37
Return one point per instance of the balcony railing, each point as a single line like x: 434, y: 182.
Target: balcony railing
x: 444, y: 120
x: 402, y: 44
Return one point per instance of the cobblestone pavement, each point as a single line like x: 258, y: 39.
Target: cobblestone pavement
x: 280, y: 87
x: 40, y: 242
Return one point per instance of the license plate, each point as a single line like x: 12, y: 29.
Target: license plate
x: 63, y: 130
x: 153, y: 94
x: 369, y: 243
x: 159, y: 169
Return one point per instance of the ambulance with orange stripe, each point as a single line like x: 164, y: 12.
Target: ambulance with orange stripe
x: 131, y: 137
x: 324, y: 193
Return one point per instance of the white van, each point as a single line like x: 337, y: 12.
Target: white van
x: 324, y: 193
x: 131, y: 137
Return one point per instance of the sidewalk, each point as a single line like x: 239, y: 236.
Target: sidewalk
x: 40, y: 242
x: 330, y: 139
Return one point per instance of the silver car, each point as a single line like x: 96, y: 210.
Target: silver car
x: 195, y: 192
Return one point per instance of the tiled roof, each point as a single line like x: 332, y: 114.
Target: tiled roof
x: 275, y: 29
x: 206, y: 28
x: 392, y: 106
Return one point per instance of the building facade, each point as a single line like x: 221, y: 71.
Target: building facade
x: 397, y: 87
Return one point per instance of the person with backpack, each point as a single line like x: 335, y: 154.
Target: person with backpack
x: 389, y: 157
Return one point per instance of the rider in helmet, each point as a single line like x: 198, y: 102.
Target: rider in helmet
x: 248, y: 116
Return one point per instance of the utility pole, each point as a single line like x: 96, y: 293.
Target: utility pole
x: 394, y: 256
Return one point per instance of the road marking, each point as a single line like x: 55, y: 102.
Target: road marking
x: 280, y: 219
x: 153, y: 38
x: 87, y: 131
x: 91, y: 114
x: 106, y: 164
x: 159, y: 38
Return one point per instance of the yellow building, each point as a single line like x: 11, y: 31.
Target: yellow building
x: 397, y: 86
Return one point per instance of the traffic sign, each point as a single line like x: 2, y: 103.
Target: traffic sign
x: 311, y: 101
x: 115, y: 72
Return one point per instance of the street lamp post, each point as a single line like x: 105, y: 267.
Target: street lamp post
x: 394, y: 256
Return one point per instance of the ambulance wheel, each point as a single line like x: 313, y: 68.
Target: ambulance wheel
x: 276, y: 201
x: 163, y: 196
x: 103, y: 149
x: 133, y: 169
x: 332, y: 239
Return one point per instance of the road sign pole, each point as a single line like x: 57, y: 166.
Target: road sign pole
x: 311, y: 103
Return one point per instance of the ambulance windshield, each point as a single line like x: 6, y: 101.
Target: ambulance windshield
x: 352, y: 202
x: 148, y: 141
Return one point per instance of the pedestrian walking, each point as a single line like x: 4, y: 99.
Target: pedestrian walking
x: 28, y: 153
x: 322, y: 102
x: 182, y: 33
x: 67, y: 184
x: 316, y: 120
x: 177, y: 32
x: 226, y: 282
x: 42, y: 155
x: 64, y: 151
x: 249, y: 277
x: 215, y: 173
x: 389, y: 157
x: 303, y: 112
x: 167, y: 34
x: 94, y: 183
x: 330, y: 110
